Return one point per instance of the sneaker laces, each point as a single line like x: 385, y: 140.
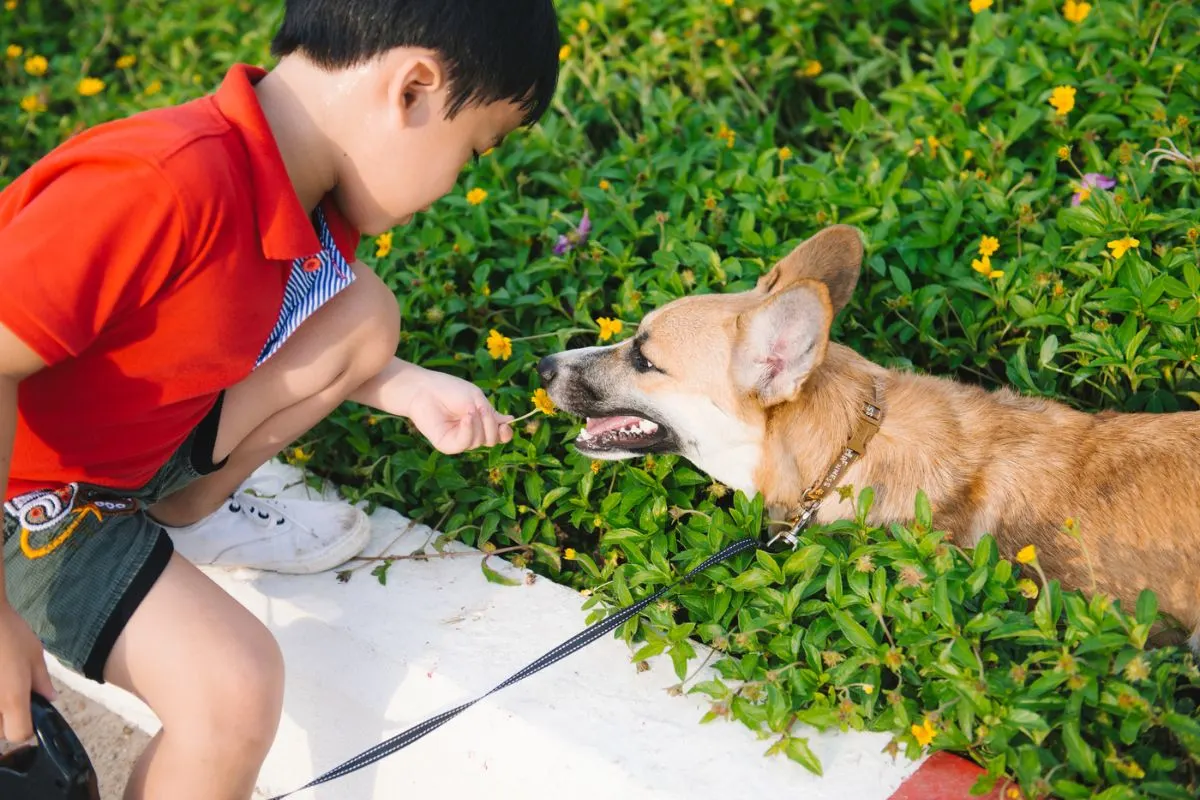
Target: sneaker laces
x: 261, y: 513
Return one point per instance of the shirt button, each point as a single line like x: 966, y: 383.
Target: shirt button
x: 311, y: 264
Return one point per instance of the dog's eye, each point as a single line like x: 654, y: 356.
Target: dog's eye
x: 640, y: 362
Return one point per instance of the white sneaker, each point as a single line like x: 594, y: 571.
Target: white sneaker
x: 292, y: 536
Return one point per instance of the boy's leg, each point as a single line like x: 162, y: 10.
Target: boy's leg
x: 213, y: 675
x: 342, y: 345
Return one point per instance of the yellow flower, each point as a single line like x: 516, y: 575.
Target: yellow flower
x: 605, y: 185
x: 125, y: 62
x: 925, y: 732
x: 499, y: 345
x: 583, y: 26
x: 982, y: 265
x: 1027, y: 554
x: 1064, y: 153
x: 564, y: 52
x: 980, y: 5
x: 785, y: 153
x: 1084, y: 193
x: 10, y: 5
x: 37, y: 66
x: 476, y: 196
x: 933, y: 146
x: 1063, y: 99
x: 569, y: 554
x: 727, y: 135
x: 609, y: 328
x: 89, y: 87
x: 1013, y: 794
x: 1076, y: 12
x: 153, y: 88
x: 727, y: 2
x: 32, y: 103
x: 868, y: 688
x: 1122, y: 246
x: 383, y: 245
x: 543, y: 403
x: 486, y: 291
x: 301, y: 457
x: 1028, y: 588
x: 988, y: 246
x: 14, y: 51
x: 812, y: 68
x: 996, y: 274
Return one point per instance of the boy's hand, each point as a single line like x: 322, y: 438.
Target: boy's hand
x: 454, y: 414
x: 22, y: 669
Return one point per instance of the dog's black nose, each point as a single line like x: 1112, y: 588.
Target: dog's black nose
x: 548, y: 369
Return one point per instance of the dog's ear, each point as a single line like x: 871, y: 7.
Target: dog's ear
x: 781, y: 340
x: 833, y: 257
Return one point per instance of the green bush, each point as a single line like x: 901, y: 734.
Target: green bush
x: 704, y: 140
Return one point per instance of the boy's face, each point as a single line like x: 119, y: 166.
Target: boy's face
x: 403, y: 154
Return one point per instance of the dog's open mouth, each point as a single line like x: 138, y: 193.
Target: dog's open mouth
x: 625, y: 432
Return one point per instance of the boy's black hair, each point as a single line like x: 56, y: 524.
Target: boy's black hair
x: 493, y: 50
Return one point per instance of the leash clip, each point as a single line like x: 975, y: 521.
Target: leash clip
x: 792, y: 535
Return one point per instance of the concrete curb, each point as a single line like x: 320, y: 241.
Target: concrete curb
x: 366, y: 661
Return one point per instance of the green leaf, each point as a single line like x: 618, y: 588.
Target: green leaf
x: 941, y: 603
x: 803, y: 560
x: 856, y: 633
x: 1080, y: 754
x: 750, y: 580
x: 495, y: 577
x: 1147, y: 607
x: 798, y: 750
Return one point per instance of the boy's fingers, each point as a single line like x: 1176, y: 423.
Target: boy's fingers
x: 16, y: 722
x: 491, y: 434
x: 42, y: 683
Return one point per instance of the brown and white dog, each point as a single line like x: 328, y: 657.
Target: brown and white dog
x: 750, y: 389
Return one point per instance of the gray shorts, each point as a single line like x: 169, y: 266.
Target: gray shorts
x: 80, y: 559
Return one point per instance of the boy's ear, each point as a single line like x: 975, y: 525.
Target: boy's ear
x: 414, y: 81
x: 781, y: 341
x: 833, y: 256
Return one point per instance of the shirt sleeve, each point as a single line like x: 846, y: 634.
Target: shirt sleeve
x: 90, y: 242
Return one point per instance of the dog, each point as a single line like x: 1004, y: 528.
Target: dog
x: 749, y: 388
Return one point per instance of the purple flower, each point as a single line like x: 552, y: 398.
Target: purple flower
x: 569, y: 241
x: 1091, y: 180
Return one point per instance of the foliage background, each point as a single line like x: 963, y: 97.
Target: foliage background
x: 704, y: 139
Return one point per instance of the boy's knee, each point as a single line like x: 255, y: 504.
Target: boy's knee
x: 243, y: 698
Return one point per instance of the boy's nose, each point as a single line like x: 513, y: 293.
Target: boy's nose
x: 548, y: 369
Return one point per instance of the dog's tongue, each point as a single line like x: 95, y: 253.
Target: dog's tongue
x: 595, y: 427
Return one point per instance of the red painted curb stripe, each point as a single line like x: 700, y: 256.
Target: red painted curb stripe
x: 945, y: 776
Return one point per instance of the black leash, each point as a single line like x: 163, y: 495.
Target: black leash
x: 576, y: 642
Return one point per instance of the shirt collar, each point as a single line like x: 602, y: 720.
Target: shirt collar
x: 286, y: 230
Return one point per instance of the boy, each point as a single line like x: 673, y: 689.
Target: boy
x: 178, y: 306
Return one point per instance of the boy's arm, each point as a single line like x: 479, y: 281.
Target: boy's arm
x: 452, y: 413
x: 22, y: 665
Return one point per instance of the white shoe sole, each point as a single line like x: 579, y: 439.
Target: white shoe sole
x: 338, y: 552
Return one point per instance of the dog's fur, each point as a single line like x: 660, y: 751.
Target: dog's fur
x: 749, y: 388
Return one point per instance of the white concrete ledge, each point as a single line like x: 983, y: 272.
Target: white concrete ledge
x: 366, y: 661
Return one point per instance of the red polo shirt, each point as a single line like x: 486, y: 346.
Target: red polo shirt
x: 145, y: 261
